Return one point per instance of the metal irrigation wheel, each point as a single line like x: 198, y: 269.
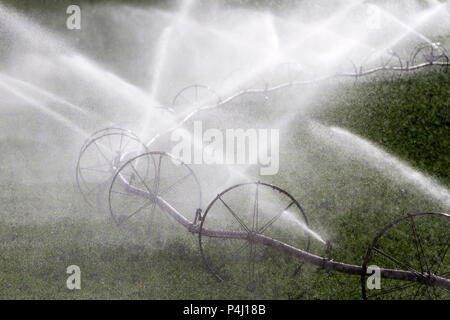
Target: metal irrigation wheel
x: 418, y: 243
x: 194, y: 97
x: 140, y: 181
x: 99, y: 158
x: 252, y: 208
x: 428, y: 53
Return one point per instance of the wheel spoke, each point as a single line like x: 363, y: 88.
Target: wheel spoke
x: 298, y: 269
x: 126, y: 144
x: 234, y: 215
x: 417, y: 292
x: 255, y: 211
x: 251, y: 262
x: 427, y: 288
x: 142, y: 180
x: 397, y: 262
x: 145, y: 205
x: 419, y: 245
x: 442, y: 256
x: 108, y: 162
x: 92, y: 189
x: 175, y: 183
x: 158, y: 175
x: 156, y: 187
x: 275, y: 218
x: 124, y: 193
x: 233, y: 255
x: 120, y: 143
x: 390, y: 290
x: 434, y: 292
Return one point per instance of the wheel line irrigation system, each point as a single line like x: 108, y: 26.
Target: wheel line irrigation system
x: 120, y: 161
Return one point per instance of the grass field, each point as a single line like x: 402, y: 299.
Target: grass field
x: 45, y: 227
